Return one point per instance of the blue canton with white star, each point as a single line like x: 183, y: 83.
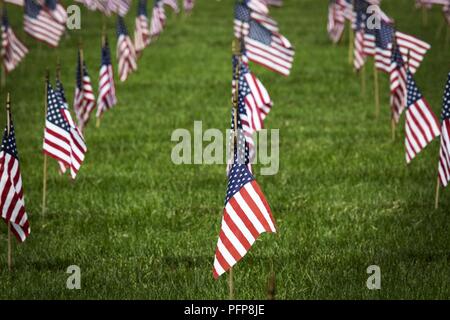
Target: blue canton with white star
x: 142, y: 8
x: 446, y: 104
x: 242, y: 13
x: 9, y: 142
x: 237, y: 178
x: 32, y: 8
x: 413, y: 93
x: 259, y: 33
x: 121, y: 28
x: 54, y: 106
x: 384, y: 35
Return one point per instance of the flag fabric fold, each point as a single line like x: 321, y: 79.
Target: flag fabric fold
x: 106, y: 91
x: 126, y: 54
x: 444, y: 151
x: 13, y: 51
x: 142, y: 29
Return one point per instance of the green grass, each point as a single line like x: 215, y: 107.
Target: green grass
x: 142, y: 227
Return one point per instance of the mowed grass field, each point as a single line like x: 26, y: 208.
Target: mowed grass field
x: 140, y: 227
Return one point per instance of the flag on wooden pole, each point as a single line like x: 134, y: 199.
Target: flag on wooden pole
x: 142, y: 30
x: 126, y: 54
x: 13, y: 50
x: 107, y: 89
x: 84, y: 102
x: 444, y: 152
x: 12, y: 205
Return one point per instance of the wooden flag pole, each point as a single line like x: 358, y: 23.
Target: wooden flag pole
x: 363, y: 81
x: 376, y: 89
x: 8, y: 125
x: 44, y: 175
x: 436, y: 201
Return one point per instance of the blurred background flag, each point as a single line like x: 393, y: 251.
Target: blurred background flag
x: 126, y: 55
x: 383, y: 44
x: 188, y: 5
x: 412, y: 49
x: 158, y: 19
x: 106, y: 91
x: 84, y: 102
x: 39, y: 24
x: 397, y: 78
x: 56, y: 10
x: 336, y: 22
x: 142, y: 30
x: 173, y: 4
x: 12, y: 51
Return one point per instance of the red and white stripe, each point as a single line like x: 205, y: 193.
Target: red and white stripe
x: 84, y: 101
x: 359, y: 58
x: 107, y: 91
x: 336, y: 22
x: 258, y: 102
x: 68, y: 148
x: 246, y: 215
x: 444, y: 153
x: 259, y: 6
x: 412, y: 49
x: 173, y: 4
x: 141, y: 34
x: 421, y: 128
x: 12, y: 204
x: 59, y: 14
x: 278, y: 56
x: 265, y: 20
x: 158, y: 21
x: 44, y: 28
x: 398, y: 80
x: 12, y: 51
x: 126, y: 55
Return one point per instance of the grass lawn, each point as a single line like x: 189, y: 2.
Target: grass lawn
x: 141, y: 227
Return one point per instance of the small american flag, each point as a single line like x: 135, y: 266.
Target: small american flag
x: 12, y: 51
x: 383, y: 43
x: 259, y: 6
x: 347, y: 9
x: 107, y: 91
x: 359, y: 57
x: 126, y: 55
x: 421, y: 125
x: 412, y: 49
x: 188, y: 5
x: 12, y: 205
x: 142, y: 30
x: 336, y: 22
x: 57, y: 11
x: 269, y: 49
x: 397, y: 78
x: 244, y: 14
x: 444, y: 153
x: 173, y: 4
x: 63, y: 141
x: 158, y: 19
x: 246, y: 215
x: 60, y: 91
x: 84, y: 102
x: 254, y: 96
x: 122, y: 7
x: 39, y: 24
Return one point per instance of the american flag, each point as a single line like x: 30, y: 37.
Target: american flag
x: 421, y: 125
x: 84, y: 102
x: 246, y: 215
x: 12, y: 51
x: 107, y: 91
x: 336, y: 22
x: 243, y: 15
x: 57, y: 11
x: 444, y: 153
x: 123, y: 6
x: 346, y: 6
x: 142, y: 31
x: 254, y: 96
x: 188, y: 5
x: 412, y: 49
x: 397, y: 78
x: 63, y: 141
x: 126, y: 55
x: 259, y: 6
x: 158, y: 19
x: 383, y: 43
x: 359, y: 57
x: 173, y: 4
x: 39, y: 24
x: 269, y: 49
x: 12, y: 205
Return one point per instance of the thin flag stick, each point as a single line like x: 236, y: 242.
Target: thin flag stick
x: 44, y: 175
x: 363, y: 80
x: 377, y: 91
x: 8, y: 125
x: 436, y: 201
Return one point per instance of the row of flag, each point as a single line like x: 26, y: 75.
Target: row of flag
x: 63, y: 135
x: 399, y: 55
x: 246, y: 213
